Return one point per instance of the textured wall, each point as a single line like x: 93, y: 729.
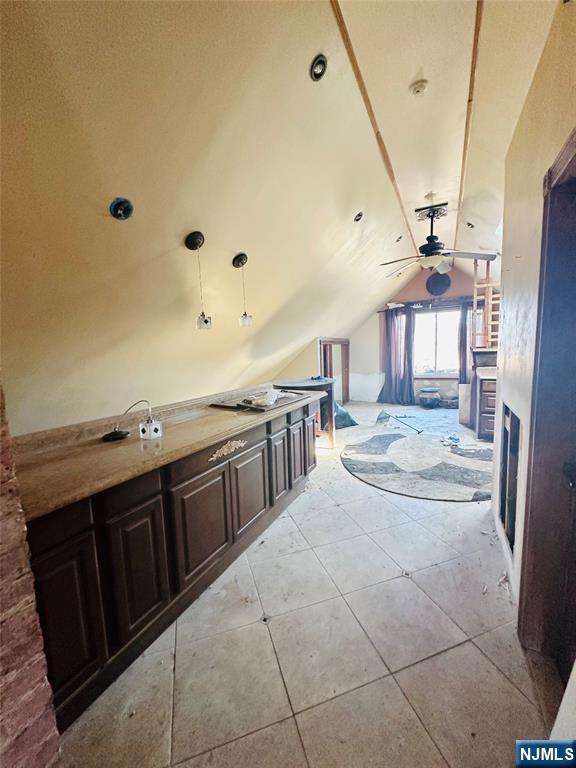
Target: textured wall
x: 28, y: 734
x: 548, y: 117
x: 204, y: 114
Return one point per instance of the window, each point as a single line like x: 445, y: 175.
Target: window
x: 436, y: 343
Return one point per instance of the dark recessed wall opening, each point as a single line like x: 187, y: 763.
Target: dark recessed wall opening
x: 509, y: 473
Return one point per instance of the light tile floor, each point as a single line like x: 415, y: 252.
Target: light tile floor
x: 361, y: 629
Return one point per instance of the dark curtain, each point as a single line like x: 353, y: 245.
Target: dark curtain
x: 398, y: 357
x: 464, y: 352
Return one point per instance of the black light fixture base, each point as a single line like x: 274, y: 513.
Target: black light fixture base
x: 115, y: 435
x: 194, y: 241
x: 240, y: 260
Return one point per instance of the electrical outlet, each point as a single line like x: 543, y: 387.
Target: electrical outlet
x: 150, y: 430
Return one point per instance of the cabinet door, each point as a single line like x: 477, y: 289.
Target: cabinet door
x: 138, y: 566
x: 310, y: 431
x: 250, y: 491
x: 70, y: 608
x: 297, y: 457
x: 201, y: 512
x: 280, y: 466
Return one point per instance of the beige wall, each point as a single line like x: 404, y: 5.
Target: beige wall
x: 461, y: 285
x: 204, y: 115
x: 544, y: 125
x: 365, y: 378
x: 303, y: 365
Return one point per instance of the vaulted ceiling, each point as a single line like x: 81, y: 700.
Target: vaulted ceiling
x: 449, y: 143
x: 203, y: 113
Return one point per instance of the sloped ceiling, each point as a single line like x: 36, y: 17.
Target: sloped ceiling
x: 397, y: 43
x: 204, y: 115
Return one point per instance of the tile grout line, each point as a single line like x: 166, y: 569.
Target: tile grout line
x: 230, y: 741
x: 289, y: 699
x: 416, y: 713
x: 536, y: 704
x: 173, y: 693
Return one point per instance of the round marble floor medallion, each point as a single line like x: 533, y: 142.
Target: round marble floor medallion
x: 422, y: 466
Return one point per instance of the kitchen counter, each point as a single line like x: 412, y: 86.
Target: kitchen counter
x: 54, y: 477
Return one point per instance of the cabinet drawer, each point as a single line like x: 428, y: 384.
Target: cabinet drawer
x: 69, y: 605
x: 250, y: 495
x: 488, y: 403
x: 138, y: 566
x: 191, y: 466
x: 201, y: 516
x: 129, y: 494
x: 488, y: 386
x: 49, y: 531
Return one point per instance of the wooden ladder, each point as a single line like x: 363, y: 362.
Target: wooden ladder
x: 485, y: 310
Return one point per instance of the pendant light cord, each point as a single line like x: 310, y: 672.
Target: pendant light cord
x: 200, y: 281
x: 244, y: 289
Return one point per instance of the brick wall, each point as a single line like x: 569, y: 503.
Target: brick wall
x: 28, y: 734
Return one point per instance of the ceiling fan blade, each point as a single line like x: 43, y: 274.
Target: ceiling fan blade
x: 399, y: 271
x: 468, y: 255
x: 408, y: 258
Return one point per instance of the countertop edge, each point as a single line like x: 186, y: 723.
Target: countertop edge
x: 33, y: 511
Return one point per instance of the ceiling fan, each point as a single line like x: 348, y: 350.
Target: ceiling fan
x: 433, y: 253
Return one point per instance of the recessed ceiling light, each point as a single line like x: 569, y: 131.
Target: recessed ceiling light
x: 469, y: 225
x: 319, y: 66
x: 399, y: 238
x: 358, y: 216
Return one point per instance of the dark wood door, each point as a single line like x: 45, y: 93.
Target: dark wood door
x: 249, y: 472
x: 310, y: 442
x: 70, y: 608
x: 280, y: 466
x: 296, y: 444
x: 547, y: 605
x: 201, y: 515
x: 138, y: 566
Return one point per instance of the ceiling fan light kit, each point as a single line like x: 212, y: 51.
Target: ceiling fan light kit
x: 433, y: 254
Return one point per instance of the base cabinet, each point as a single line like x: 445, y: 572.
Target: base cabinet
x: 71, y: 614
x: 114, y: 570
x: 201, y: 517
x: 138, y: 566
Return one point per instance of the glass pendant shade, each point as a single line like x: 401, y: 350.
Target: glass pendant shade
x: 245, y: 320
x: 203, y: 322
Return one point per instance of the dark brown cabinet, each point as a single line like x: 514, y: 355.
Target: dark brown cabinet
x: 310, y: 442
x: 114, y: 570
x: 279, y: 466
x: 297, y: 452
x: 486, y: 409
x: 250, y: 497
x: 138, y: 566
x: 71, y: 615
x: 201, y: 516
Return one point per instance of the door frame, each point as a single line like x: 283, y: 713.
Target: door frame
x: 326, y: 361
x: 550, y: 526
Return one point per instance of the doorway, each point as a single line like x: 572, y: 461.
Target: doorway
x: 334, y: 359
x: 547, y: 609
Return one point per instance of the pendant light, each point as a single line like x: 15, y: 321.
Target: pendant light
x: 194, y: 241
x: 239, y: 262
